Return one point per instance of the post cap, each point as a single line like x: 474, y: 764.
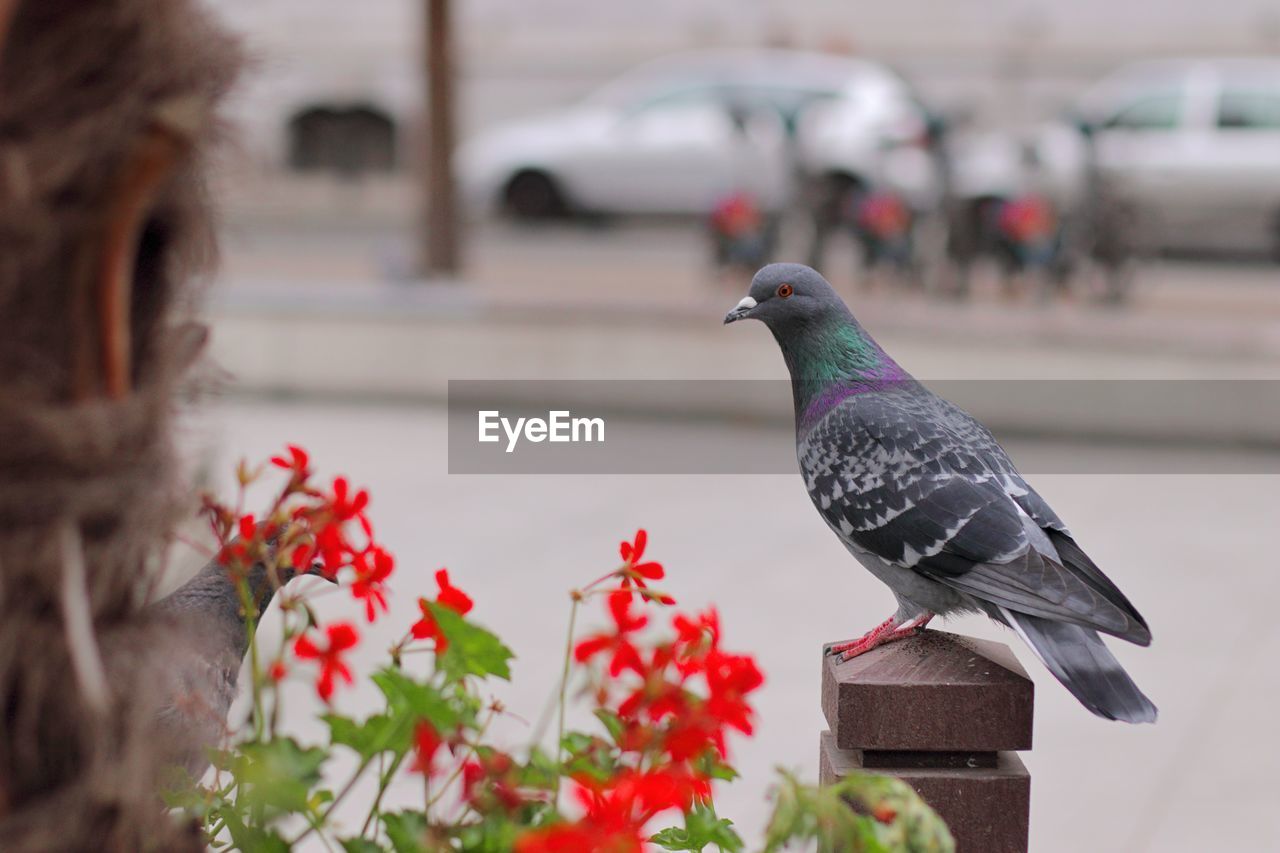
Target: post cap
x: 936, y: 691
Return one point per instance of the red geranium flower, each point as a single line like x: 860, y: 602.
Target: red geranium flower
x: 632, y: 797
x: 451, y: 597
x: 333, y: 548
x: 347, y: 506
x: 233, y: 552
x: 239, y: 550
x: 729, y: 679
x: 373, y: 567
x: 615, y: 812
x: 625, y: 654
x: 342, y: 637
x: 578, y: 838
x: 426, y: 741
x: 636, y: 571
x: 492, y: 781
x: 297, y: 462
x: 692, y: 632
x: 884, y: 813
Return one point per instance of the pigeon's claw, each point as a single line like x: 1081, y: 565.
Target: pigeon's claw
x: 866, y: 642
x: 886, y: 632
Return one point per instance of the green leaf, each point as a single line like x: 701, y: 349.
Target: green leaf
x: 472, y: 650
x: 710, y: 765
x: 701, y: 828
x: 250, y: 837
x: 540, y: 771
x: 589, y: 755
x: 360, y: 845
x: 378, y: 733
x: 907, y: 823
x: 179, y: 793
x: 419, y: 701
x: 839, y: 817
x: 279, y: 774
x: 222, y: 759
x: 407, y: 831
x: 495, y: 833
x: 613, y: 723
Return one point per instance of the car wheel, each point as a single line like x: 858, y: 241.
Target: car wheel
x: 534, y: 195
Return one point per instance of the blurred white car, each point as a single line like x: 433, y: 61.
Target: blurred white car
x: 1194, y: 146
x: 677, y: 134
x: 1048, y: 159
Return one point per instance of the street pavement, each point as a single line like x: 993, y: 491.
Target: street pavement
x: 642, y: 263
x: 1191, y: 551
x: 614, y: 272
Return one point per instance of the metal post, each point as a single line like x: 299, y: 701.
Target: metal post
x: 440, y: 255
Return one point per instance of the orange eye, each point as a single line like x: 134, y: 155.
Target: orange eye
x: 785, y: 290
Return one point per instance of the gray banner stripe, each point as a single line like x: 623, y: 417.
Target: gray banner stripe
x: 745, y: 427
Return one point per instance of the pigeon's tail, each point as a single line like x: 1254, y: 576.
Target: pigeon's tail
x: 1081, y: 661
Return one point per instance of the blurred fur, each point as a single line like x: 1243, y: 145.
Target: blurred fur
x: 79, y: 85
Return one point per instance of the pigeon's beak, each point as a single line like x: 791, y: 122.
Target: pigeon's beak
x: 317, y: 570
x: 742, y: 309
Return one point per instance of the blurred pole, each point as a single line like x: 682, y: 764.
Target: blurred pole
x: 440, y: 255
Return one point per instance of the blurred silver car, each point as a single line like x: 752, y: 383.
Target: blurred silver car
x: 677, y: 134
x: 1194, y: 146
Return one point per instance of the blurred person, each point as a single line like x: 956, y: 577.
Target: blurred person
x: 1029, y: 237
x: 1106, y: 230
x: 882, y: 224
x: 743, y: 234
x: 1029, y: 233
x: 890, y: 208
x: 1007, y: 208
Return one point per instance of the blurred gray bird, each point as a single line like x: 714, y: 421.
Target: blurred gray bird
x: 927, y: 500
x: 199, y: 671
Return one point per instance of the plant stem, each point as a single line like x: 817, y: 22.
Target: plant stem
x: 618, y: 572
x: 457, y: 771
x: 383, y: 782
x: 250, y: 627
x: 564, y: 689
x: 314, y: 821
x: 346, y: 789
x: 379, y: 747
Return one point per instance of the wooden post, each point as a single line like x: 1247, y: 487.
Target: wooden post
x: 440, y: 253
x: 944, y: 714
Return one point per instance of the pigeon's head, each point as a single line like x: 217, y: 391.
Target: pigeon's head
x: 263, y: 588
x: 786, y: 295
x: 315, y: 570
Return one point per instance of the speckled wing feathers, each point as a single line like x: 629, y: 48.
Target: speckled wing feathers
x: 914, y: 480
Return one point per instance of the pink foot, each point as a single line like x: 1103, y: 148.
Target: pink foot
x: 886, y: 632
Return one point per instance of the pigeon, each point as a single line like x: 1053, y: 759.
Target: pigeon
x: 925, y: 498
x: 199, y: 671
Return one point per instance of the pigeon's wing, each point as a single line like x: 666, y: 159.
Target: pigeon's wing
x: 195, y: 695
x: 914, y: 480
x: 1063, y: 548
